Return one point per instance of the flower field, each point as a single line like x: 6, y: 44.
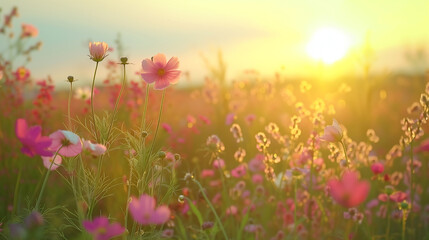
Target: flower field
x: 133, y: 156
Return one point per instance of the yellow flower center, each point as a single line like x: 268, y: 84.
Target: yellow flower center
x: 161, y: 72
x: 22, y: 72
x: 101, y: 230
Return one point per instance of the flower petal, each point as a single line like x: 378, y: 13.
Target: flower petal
x: 160, y: 60
x: 173, y: 63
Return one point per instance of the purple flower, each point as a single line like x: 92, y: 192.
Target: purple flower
x: 144, y: 212
x: 100, y: 228
x: 32, y: 140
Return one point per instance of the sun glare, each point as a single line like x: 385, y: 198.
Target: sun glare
x: 328, y: 45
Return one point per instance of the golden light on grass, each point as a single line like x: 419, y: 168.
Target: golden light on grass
x: 328, y: 45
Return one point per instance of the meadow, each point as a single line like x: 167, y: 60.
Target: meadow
x: 256, y: 157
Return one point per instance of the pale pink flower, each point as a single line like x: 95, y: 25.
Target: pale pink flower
x: 349, y: 191
x: 98, y: 51
x: 239, y: 171
x: 232, y: 210
x: 1, y: 74
x: 29, y: 30
x: 144, y: 212
x: 257, y: 178
x: 333, y: 133
x: 95, y: 149
x: 167, y: 128
x: 160, y: 71
x: 230, y: 118
x: 207, y: 173
x: 69, y: 143
x: 47, y: 162
x: 257, y: 163
x: 100, y: 229
x: 218, y: 163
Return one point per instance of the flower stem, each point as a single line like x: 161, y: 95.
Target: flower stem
x: 118, y: 99
x: 157, y: 124
x: 46, y: 179
x: 128, y: 197
x: 68, y: 105
x: 295, y: 203
x: 345, y: 153
x: 143, y: 124
x: 212, y: 208
x: 92, y: 102
x: 15, y: 195
x: 404, y: 223
x: 388, y: 220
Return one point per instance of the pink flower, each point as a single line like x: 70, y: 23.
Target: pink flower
x: 239, y: 171
x: 207, y: 173
x: 32, y: 140
x: 167, y: 127
x: 349, y: 191
x: 144, y: 212
x: 97, y: 51
x: 333, y: 133
x: 68, y: 142
x: 398, y: 196
x: 232, y: 210
x: 47, y: 162
x: 423, y: 147
x: 218, y: 163
x: 100, y: 229
x: 377, y: 168
x: 257, y: 178
x: 160, y: 71
x: 22, y: 74
x: 230, y: 118
x: 29, y: 30
x: 257, y: 163
x: 95, y: 149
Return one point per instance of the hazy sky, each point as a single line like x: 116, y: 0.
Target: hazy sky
x: 261, y: 35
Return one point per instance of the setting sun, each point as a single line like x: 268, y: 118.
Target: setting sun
x: 328, y: 45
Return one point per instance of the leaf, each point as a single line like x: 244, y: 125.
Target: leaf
x: 195, y: 210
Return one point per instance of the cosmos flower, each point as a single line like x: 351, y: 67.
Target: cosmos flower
x: 32, y: 140
x: 95, y: 149
x: 349, y: 191
x: 144, y: 212
x: 22, y: 74
x: 160, y: 71
x: 100, y: 228
x: 47, y: 162
x: 69, y: 143
x: 97, y: 51
x: 377, y: 168
x: 29, y: 30
x: 333, y: 133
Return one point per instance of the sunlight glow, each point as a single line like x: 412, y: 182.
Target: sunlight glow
x: 328, y: 45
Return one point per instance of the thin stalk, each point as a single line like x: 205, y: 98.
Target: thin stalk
x: 388, y: 220
x: 295, y: 203
x: 219, y: 222
x: 118, y: 99
x: 157, y: 124
x: 68, y: 105
x: 92, y: 102
x: 412, y: 181
x: 404, y: 223
x: 128, y: 197
x: 15, y: 195
x: 46, y: 179
x: 143, y: 123
x: 345, y: 153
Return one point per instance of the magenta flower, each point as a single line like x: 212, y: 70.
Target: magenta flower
x: 95, y: 149
x: 100, y: 228
x: 32, y: 140
x: 22, y: 74
x: 68, y: 142
x: 97, y: 51
x: 160, y: 71
x: 333, y: 133
x: 377, y: 168
x: 47, y: 162
x: 349, y: 191
x: 144, y: 212
x: 239, y: 171
x: 423, y: 147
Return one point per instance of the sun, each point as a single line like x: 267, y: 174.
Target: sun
x: 328, y: 45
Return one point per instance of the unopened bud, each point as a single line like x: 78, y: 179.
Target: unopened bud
x: 124, y: 60
x: 144, y: 134
x: 161, y: 154
x: 177, y: 157
x: 70, y: 79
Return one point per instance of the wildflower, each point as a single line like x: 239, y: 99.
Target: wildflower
x: 100, y: 228
x: 167, y: 128
x: 333, y: 133
x: 232, y: 210
x: 144, y: 212
x: 68, y: 142
x: 239, y: 154
x: 32, y: 140
x: 230, y: 118
x: 160, y: 71
x: 349, y: 191
x: 236, y: 132
x: 218, y: 163
x: 257, y: 179
x: 423, y: 147
x: 214, y: 143
x: 29, y: 30
x: 207, y: 173
x: 22, y: 74
x: 167, y: 233
x: 377, y: 168
x: 95, y: 149
x: 257, y: 163
x: 97, y: 51
x: 83, y: 93
x: 239, y: 171
x: 47, y: 162
x: 1, y: 74
x: 207, y: 225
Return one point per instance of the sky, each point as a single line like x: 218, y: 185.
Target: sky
x: 266, y: 36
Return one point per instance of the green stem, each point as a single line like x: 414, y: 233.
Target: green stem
x: 157, y: 124
x: 295, y: 203
x: 388, y: 220
x: 143, y: 124
x: 15, y: 195
x: 128, y: 197
x: 92, y: 102
x: 116, y: 105
x: 68, y: 105
x: 404, y: 223
x: 345, y: 153
x: 46, y: 179
x: 212, y: 208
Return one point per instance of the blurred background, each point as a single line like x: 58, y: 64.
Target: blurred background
x: 299, y: 38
